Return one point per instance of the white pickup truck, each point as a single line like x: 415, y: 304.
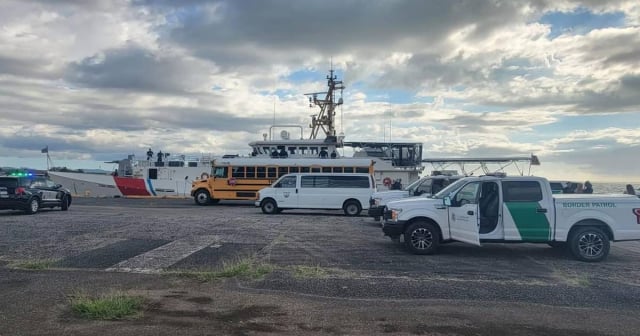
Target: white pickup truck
x: 514, y: 209
x: 425, y: 187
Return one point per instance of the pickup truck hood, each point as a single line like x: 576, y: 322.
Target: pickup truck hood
x: 390, y: 194
x: 413, y: 202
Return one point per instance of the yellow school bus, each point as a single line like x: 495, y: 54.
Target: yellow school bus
x: 242, y: 178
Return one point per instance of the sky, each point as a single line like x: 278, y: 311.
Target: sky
x: 98, y: 80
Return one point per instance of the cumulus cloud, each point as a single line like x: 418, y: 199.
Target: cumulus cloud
x: 105, y: 78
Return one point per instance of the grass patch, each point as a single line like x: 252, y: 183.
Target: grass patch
x: 113, y: 306
x: 302, y: 271
x: 572, y: 279
x: 34, y: 264
x: 245, y: 268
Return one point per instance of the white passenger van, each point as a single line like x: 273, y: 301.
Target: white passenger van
x: 349, y: 192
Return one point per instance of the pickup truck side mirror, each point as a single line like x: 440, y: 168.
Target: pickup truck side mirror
x: 446, y: 201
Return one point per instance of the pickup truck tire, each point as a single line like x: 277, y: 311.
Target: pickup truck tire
x: 589, y: 243
x: 422, y: 237
x: 202, y: 197
x: 269, y: 207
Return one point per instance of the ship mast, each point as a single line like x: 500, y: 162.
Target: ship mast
x: 325, y: 119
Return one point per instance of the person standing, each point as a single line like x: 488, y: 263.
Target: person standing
x: 588, y: 188
x: 630, y: 190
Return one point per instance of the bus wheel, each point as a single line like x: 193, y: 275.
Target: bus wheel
x: 202, y: 197
x: 269, y: 207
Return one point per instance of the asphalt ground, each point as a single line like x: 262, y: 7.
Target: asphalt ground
x: 366, y: 285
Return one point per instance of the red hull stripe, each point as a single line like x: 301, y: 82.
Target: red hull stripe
x: 131, y: 186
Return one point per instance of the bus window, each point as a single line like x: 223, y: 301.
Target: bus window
x: 304, y: 169
x: 326, y: 169
x: 221, y: 172
x: 283, y: 171
x: 348, y: 169
x: 315, y: 169
x: 261, y: 172
x: 337, y: 170
x: 271, y: 172
x: 362, y: 170
x: 238, y: 172
x: 294, y: 169
x: 251, y: 172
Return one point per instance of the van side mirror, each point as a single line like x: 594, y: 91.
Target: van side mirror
x: 446, y: 200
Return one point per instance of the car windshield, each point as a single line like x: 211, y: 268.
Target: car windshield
x: 450, y: 188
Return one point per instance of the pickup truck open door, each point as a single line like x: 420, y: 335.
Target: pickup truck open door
x: 463, y: 214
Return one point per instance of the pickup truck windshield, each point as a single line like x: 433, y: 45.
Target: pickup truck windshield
x: 446, y: 191
x: 413, y: 185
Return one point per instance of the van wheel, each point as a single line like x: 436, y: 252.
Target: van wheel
x: 422, y: 238
x: 589, y: 244
x: 34, y: 206
x: 202, y: 197
x: 352, y: 208
x: 64, y: 206
x: 269, y: 207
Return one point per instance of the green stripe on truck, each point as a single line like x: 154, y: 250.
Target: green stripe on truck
x: 532, y: 225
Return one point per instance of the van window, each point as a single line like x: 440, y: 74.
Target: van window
x: 286, y: 182
x: 521, y: 191
x: 314, y: 182
x: 348, y: 182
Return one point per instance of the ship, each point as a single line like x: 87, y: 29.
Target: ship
x: 396, y: 163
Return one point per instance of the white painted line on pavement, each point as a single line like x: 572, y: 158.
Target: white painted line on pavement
x: 156, y: 260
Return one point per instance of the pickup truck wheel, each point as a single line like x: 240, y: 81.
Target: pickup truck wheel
x: 34, y: 206
x: 422, y: 238
x: 269, y: 207
x: 202, y: 197
x: 589, y: 244
x: 352, y: 208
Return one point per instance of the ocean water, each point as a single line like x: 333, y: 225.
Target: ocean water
x: 613, y: 188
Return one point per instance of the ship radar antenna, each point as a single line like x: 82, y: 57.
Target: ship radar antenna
x: 325, y: 119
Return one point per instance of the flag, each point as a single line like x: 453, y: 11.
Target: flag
x: 45, y: 150
x: 534, y: 160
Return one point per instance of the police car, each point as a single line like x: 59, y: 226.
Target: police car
x: 30, y: 193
